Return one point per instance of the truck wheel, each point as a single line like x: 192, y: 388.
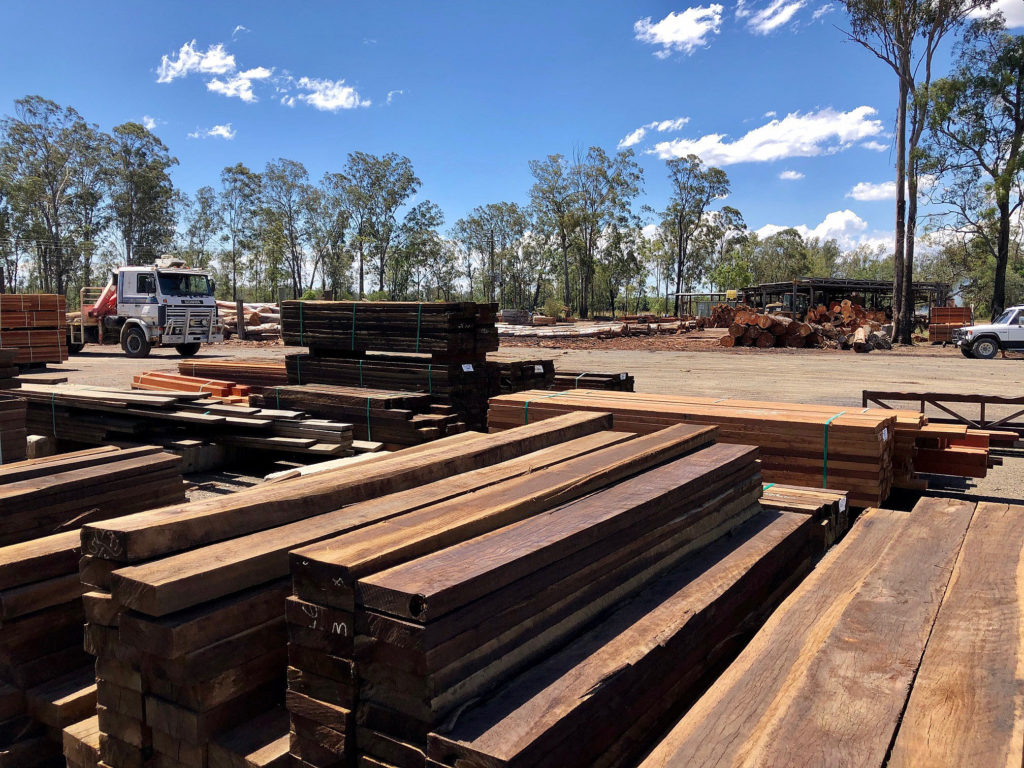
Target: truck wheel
x: 986, y: 349
x: 187, y: 350
x: 135, y: 343
x: 966, y: 352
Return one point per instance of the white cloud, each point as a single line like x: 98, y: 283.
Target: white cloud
x: 684, y: 31
x: 791, y: 175
x: 823, y: 10
x: 214, y: 61
x: 866, y: 192
x: 877, y: 146
x: 845, y: 226
x: 826, y: 131
x: 770, y: 114
x: 239, y: 84
x: 767, y: 20
x: 149, y: 123
x: 392, y: 94
x: 1012, y: 10
x: 218, y: 131
x: 236, y: 30
x: 329, y: 95
x: 661, y: 126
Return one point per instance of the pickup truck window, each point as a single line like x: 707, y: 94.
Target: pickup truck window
x: 1006, y: 318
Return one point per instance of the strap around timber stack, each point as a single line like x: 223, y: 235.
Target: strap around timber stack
x: 824, y: 463
x: 578, y: 380
x: 360, y: 372
x: 430, y: 379
x: 766, y: 487
x: 53, y: 414
x: 526, y: 406
x: 278, y: 391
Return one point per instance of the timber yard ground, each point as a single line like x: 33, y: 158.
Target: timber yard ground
x: 694, y: 365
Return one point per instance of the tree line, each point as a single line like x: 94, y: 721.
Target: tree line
x: 75, y: 201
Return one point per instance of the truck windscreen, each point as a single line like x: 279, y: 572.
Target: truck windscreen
x: 177, y: 284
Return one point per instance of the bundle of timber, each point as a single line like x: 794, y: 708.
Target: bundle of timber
x: 8, y: 369
x: 568, y: 330
x: 13, y: 432
x: 810, y: 445
x: 909, y: 668
x: 394, y: 418
x: 828, y: 506
x: 942, y: 321
x: 102, y: 416
x: 44, y: 496
x: 191, y: 642
x: 519, y: 375
x: 398, y: 630
x: 616, y: 382
x: 36, y: 325
x: 765, y: 330
x: 451, y: 330
x: 463, y: 386
x: 255, y: 373
x: 513, y: 316
x: 169, y: 382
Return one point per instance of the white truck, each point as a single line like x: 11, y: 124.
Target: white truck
x: 164, y: 304
x: 1005, y: 333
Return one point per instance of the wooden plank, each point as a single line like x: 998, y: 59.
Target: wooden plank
x: 825, y: 681
x: 260, y: 743
x: 176, y: 528
x: 967, y: 704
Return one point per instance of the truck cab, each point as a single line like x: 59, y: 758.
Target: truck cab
x: 983, y: 341
x: 164, y: 304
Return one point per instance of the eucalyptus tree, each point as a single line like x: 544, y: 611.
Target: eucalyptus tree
x: 202, y: 220
x: 285, y: 188
x: 555, y: 213
x: 495, y: 232
x: 239, y: 204
x: 326, y: 222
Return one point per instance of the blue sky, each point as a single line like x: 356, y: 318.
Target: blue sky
x: 471, y: 91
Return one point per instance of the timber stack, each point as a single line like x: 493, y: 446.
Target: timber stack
x: 158, y: 381
x: 485, y: 631
x: 942, y: 321
x: 36, y: 325
x: 254, y: 373
x: 925, y: 598
x: 425, y: 344
x: 8, y: 369
x: 612, y: 382
x: 97, y: 416
x: 520, y: 374
x: 194, y: 643
x: 13, y: 432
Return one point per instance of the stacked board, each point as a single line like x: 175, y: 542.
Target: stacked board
x: 191, y: 642
x: 519, y: 375
x: 39, y: 497
x: 457, y: 614
x: 613, y: 382
x: 255, y: 373
x: 98, y: 416
x: 155, y: 381
x: 36, y: 325
x: 845, y: 449
x: 13, y: 433
x: 8, y: 369
x: 942, y: 321
x: 394, y: 418
x: 901, y: 649
x: 453, y: 329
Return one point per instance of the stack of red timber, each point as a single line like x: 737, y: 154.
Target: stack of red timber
x: 440, y: 348
x: 255, y: 373
x: 901, y: 649
x: 849, y: 449
x: 461, y: 636
x: 36, y: 325
x: 169, y: 382
x: 43, y: 496
x: 8, y: 370
x: 942, y: 321
x: 13, y: 434
x: 193, y: 644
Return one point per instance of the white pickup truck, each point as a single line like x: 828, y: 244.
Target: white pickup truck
x: 1005, y: 333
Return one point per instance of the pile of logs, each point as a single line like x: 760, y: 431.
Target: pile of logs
x: 13, y: 433
x: 752, y: 329
x: 722, y: 315
x: 260, y: 321
x: 35, y: 324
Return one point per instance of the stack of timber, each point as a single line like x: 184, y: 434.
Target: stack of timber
x: 520, y: 374
x: 513, y: 316
x: 395, y: 419
x: 808, y: 445
x: 100, y: 416
x: 13, y: 432
x: 256, y: 373
x: 8, y: 370
x: 942, y: 321
x: 752, y: 329
x: 614, y: 382
x: 451, y: 330
x: 567, y: 330
x: 39, y: 497
x: 398, y: 628
x: 36, y: 325
x: 156, y: 381
x: 194, y: 643
x: 901, y: 649
x: 829, y: 507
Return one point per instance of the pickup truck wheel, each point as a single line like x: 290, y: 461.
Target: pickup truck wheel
x: 187, y: 350
x: 135, y: 343
x: 966, y: 352
x: 985, y: 349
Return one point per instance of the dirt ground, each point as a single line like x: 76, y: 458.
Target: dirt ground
x: 811, y: 376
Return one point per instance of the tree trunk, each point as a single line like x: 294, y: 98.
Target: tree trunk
x: 565, y: 268
x: 907, y: 329
x: 899, y: 317
x: 1002, y: 258
x: 362, y: 272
